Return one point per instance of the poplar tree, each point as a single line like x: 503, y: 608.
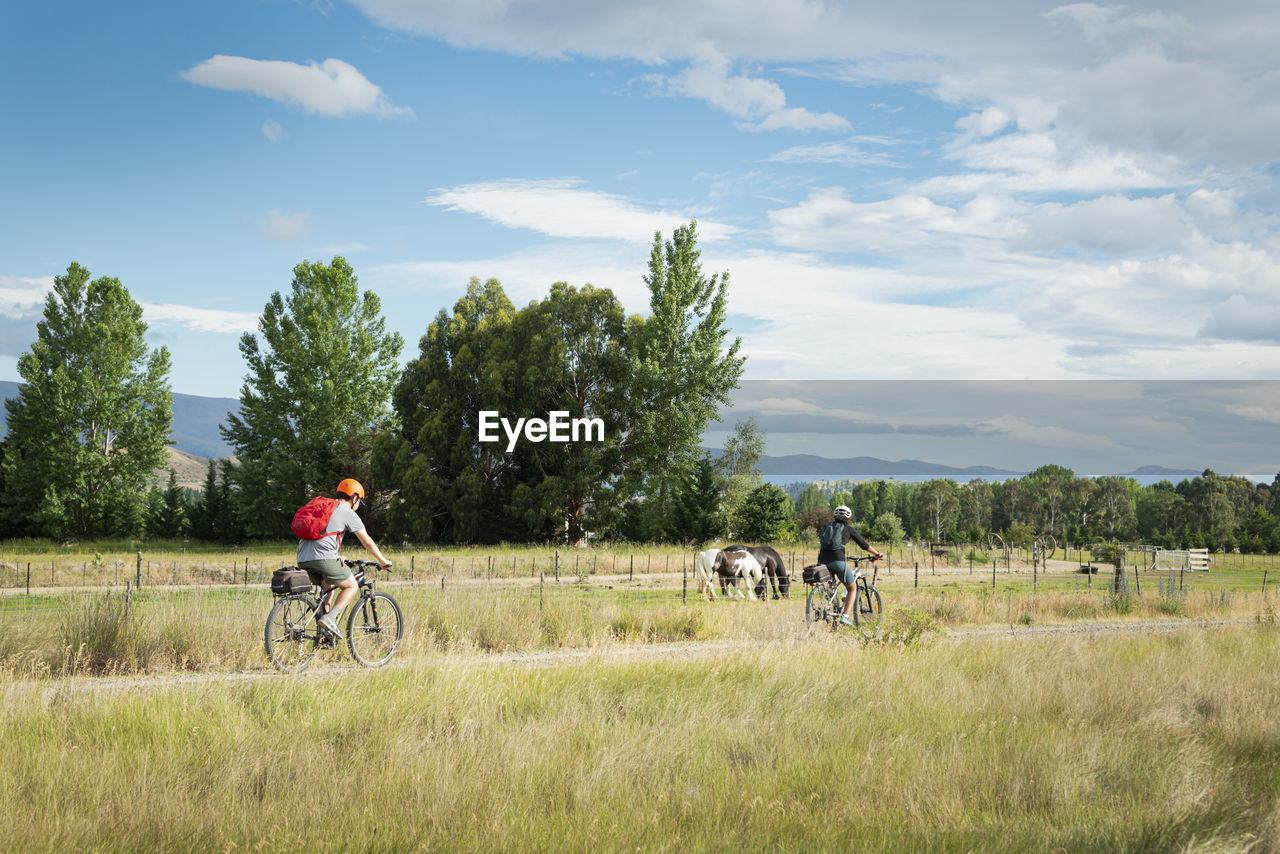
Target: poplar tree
x: 320, y: 374
x: 89, y: 426
x: 683, y: 370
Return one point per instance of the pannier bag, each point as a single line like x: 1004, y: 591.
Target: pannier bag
x: 816, y: 574
x: 290, y: 579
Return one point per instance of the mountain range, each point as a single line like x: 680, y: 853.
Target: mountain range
x: 195, y: 422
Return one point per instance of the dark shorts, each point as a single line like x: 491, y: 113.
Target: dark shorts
x: 842, y: 571
x: 331, y: 570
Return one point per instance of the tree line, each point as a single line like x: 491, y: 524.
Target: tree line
x: 1205, y: 511
x: 325, y: 397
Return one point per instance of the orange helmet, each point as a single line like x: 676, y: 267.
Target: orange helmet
x: 351, y: 486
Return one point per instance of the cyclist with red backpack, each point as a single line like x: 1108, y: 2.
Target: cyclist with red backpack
x: 320, y: 525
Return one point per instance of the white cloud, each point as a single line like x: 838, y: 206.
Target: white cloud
x: 197, y: 319
x: 272, y: 130
x: 284, y: 226
x: 562, y: 208
x: 1242, y: 318
x: 798, y: 119
x: 847, y: 153
x: 329, y: 88
x: 23, y: 297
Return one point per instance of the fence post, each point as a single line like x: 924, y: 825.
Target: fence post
x: 1264, y: 584
x: 412, y: 561
x: 28, y: 578
x: 917, y: 583
x: 246, y: 572
x: 631, y: 573
x: 139, y: 584
x: 993, y: 576
x: 684, y: 591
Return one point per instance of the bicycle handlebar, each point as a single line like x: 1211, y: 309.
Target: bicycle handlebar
x: 362, y: 564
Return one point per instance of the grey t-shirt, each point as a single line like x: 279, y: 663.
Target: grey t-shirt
x: 344, y: 519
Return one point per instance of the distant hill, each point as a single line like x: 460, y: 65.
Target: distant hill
x: 1161, y: 471
x: 810, y: 464
x: 195, y: 422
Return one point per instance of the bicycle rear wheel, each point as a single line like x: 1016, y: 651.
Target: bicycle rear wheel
x: 818, y: 607
x: 868, y: 608
x: 374, y: 629
x: 291, y: 634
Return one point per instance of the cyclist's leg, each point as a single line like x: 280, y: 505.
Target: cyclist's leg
x: 333, y: 573
x: 844, y: 574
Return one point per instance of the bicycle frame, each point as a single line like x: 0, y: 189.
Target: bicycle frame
x: 293, y: 634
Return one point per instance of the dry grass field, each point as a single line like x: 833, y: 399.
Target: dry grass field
x: 524, y: 714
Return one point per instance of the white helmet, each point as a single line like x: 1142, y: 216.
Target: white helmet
x: 843, y: 513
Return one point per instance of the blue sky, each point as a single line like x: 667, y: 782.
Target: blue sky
x: 917, y: 190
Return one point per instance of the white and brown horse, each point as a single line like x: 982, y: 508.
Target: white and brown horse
x: 774, y: 569
x: 739, y: 566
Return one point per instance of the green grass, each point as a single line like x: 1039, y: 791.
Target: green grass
x: 1165, y: 743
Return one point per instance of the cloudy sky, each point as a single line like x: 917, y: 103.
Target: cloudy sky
x: 920, y: 190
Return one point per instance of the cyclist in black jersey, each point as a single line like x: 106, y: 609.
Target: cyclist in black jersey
x: 833, y: 555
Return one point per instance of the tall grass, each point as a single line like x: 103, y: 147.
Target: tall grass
x: 221, y: 629
x: 1161, y: 743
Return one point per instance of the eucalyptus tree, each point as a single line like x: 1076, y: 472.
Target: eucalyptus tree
x: 939, y: 507
x: 317, y: 391
x: 1050, y: 485
x: 91, y: 420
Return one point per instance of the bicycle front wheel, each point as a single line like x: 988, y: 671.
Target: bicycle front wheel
x: 374, y: 629
x: 291, y: 635
x: 869, y: 607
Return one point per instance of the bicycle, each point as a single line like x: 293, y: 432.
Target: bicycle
x: 826, y: 600
x: 375, y: 625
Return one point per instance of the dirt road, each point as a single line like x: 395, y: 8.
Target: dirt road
x: 685, y: 651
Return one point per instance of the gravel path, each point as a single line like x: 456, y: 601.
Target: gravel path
x: 685, y: 651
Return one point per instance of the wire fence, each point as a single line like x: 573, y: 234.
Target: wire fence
x: 54, y: 586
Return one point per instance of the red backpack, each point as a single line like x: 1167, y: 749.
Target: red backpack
x: 312, y: 519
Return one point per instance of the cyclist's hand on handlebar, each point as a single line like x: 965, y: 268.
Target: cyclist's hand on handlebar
x: 386, y: 565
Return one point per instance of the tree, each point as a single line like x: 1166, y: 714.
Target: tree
x: 92, y: 418
x: 740, y: 464
x: 698, y: 514
x: 315, y: 396
x: 938, y: 506
x: 167, y: 511
x: 447, y: 481
x: 683, y: 371
x: 1049, y: 485
x: 572, y: 358
x: 887, y: 528
x: 766, y: 515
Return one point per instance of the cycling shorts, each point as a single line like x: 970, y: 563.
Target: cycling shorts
x: 331, y: 570
x: 842, y: 571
